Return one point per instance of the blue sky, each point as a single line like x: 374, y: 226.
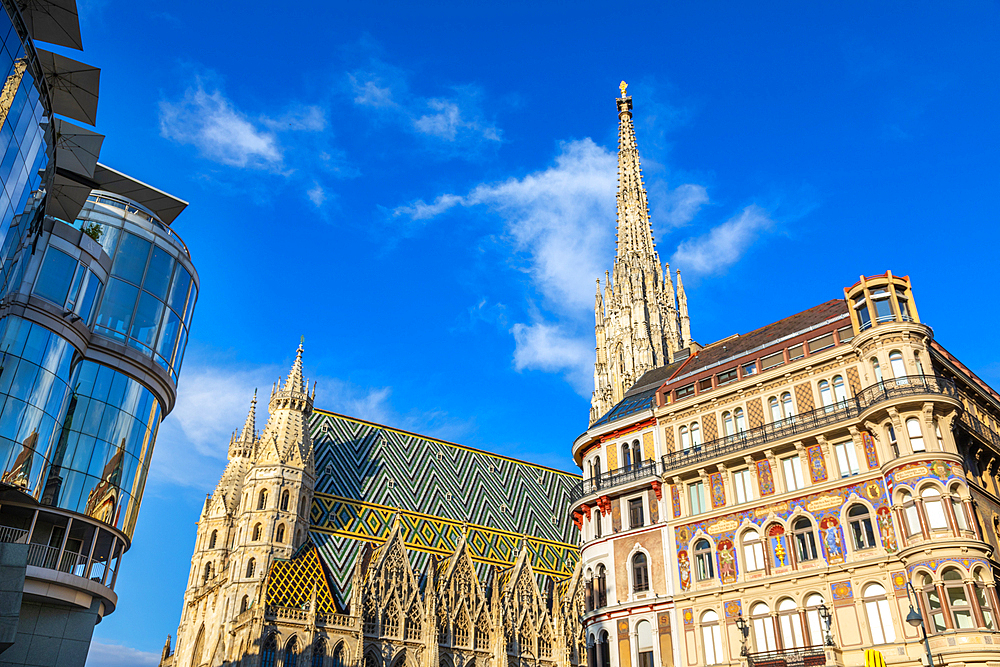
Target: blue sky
x: 425, y: 191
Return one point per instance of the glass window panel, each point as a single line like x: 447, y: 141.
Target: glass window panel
x: 91, y: 292
x: 157, y: 279
x: 91, y: 423
x: 147, y: 320
x: 179, y: 289
x: 115, y: 313
x: 190, y: 305
x: 130, y: 260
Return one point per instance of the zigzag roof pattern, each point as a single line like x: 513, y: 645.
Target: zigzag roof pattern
x: 290, y: 582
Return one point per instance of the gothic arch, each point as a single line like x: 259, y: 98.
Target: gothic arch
x: 199, y: 647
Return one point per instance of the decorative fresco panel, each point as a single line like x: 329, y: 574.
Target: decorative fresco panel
x: 668, y: 439
x: 825, y: 508
x: 935, y: 563
x: 853, y: 380
x: 648, y: 452
x: 765, y: 481
x: 734, y: 608
x: 755, y: 412
x: 817, y: 464
x: 711, y: 427
x: 675, y: 500
x: 804, y: 397
x: 688, y: 616
x: 841, y: 591
x: 871, y: 453
x: 912, y: 474
x: 899, y: 580
x: 718, y: 490
x: 611, y: 451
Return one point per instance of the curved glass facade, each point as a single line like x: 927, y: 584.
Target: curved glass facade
x: 150, y: 296
x: 22, y: 143
x: 84, y: 449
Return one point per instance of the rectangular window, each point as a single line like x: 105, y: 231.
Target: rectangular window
x: 845, y: 334
x: 796, y: 352
x: 696, y: 494
x: 750, y: 369
x: 54, y: 279
x: 635, y: 513
x: 821, y: 343
x: 743, y: 481
x: 705, y: 385
x: 847, y: 458
x: 772, y: 361
x: 793, y: 473
x: 726, y: 377
x: 685, y: 391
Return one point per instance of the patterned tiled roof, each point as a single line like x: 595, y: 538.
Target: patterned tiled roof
x: 290, y: 582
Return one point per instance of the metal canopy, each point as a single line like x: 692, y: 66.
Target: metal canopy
x: 73, y: 86
x: 66, y: 197
x: 53, y: 21
x: 166, y: 207
x: 77, y: 149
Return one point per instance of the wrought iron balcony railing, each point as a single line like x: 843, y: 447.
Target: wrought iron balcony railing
x: 809, y: 656
x: 613, y: 478
x: 848, y: 408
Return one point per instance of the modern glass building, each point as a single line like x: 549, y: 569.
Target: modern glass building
x: 97, y: 293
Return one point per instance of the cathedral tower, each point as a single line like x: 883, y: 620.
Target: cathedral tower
x: 639, y: 323
x: 259, y: 512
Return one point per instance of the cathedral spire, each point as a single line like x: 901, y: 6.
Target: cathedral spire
x: 249, y: 433
x: 294, y: 381
x: 640, y: 323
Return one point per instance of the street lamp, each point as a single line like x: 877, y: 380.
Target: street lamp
x: 744, y: 629
x: 827, y: 617
x: 915, y: 619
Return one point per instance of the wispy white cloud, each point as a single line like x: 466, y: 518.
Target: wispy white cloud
x: 723, y: 246
x: 207, y: 120
x: 549, y: 347
x: 317, y: 195
x: 453, y: 119
x: 683, y: 204
x: 116, y: 655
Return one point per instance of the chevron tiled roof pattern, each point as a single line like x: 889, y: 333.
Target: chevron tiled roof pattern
x: 290, y: 582
x: 366, y: 471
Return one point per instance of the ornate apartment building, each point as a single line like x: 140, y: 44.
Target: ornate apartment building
x: 640, y: 323
x: 334, y: 541
x: 794, y: 495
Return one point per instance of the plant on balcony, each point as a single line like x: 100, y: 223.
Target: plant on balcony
x: 94, y: 230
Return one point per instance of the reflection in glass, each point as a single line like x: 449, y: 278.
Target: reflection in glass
x: 130, y: 260
x: 54, y: 278
x: 158, y: 275
x: 115, y: 312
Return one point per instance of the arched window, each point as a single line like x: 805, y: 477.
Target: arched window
x: 413, y: 624
x: 916, y: 435
x: 601, y: 587
x: 390, y: 620
x: 893, y: 443
x: 877, y: 370
x: 269, y: 652
x: 626, y: 456
x: 753, y: 551
x: 763, y: 628
x: 291, y: 655
x: 319, y: 652
x: 791, y: 627
x: 636, y: 454
x: 695, y: 435
x: 862, y: 531
x: 685, y: 438
x: 256, y: 532
x: 588, y: 592
x: 775, y: 409
x: 483, y: 633
x: 814, y: 626
x: 879, y: 618
x: 244, y: 603
x: 371, y: 660
x: 212, y: 539
x: 262, y: 499
x: 727, y: 423
x: 897, y: 365
x: 703, y: 558
x: 604, y: 649
x: 787, y: 408
x: 340, y: 655
x: 208, y: 572
x: 933, y: 508
x: 738, y: 417
x: 825, y: 395
x: 839, y: 390
x: 958, y: 599
x: 462, y: 628
x: 958, y: 507
x: 983, y: 597
x: 279, y: 535
x: 284, y: 500
x: 640, y: 573
x: 711, y: 637
x: 250, y: 567
x: 805, y: 540
x: 597, y: 468
x: 911, y: 513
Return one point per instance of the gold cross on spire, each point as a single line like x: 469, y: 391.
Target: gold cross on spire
x: 622, y: 86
